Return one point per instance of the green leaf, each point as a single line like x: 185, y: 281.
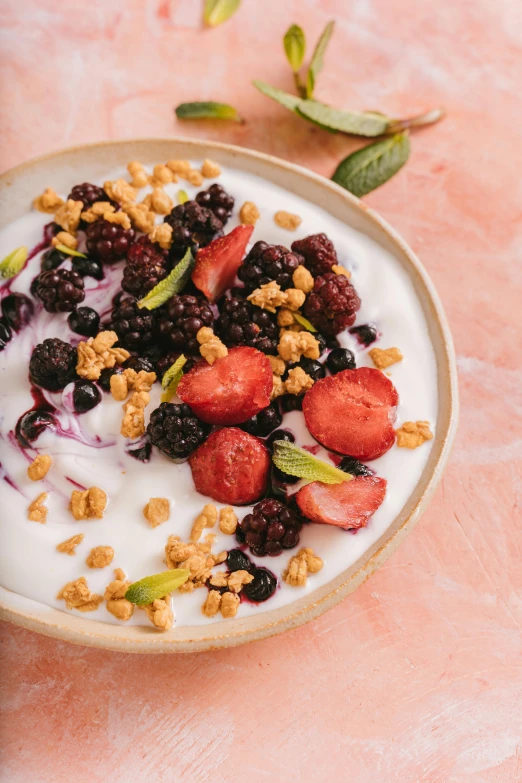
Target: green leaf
x: 182, y: 196
x: 353, y: 122
x: 294, y: 44
x: 207, y: 110
x: 13, y: 263
x: 218, y: 11
x: 287, y: 100
x: 169, y: 382
x: 172, y: 284
x: 304, y: 322
x: 70, y: 252
x: 157, y: 586
x: 428, y: 118
x: 316, y: 63
x: 372, y: 166
x: 298, y: 462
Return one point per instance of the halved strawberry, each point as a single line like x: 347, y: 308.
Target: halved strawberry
x: 231, y: 390
x: 352, y: 412
x: 345, y: 505
x: 217, y: 263
x: 231, y: 467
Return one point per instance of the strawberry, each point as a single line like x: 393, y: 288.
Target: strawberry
x: 352, y: 412
x: 218, y: 262
x: 231, y: 467
x: 345, y: 505
x: 231, y: 390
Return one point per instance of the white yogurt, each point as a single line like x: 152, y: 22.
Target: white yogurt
x: 89, y: 451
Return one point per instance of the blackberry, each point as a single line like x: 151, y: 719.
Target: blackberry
x: 84, y: 321
x: 60, y: 290
x: 31, y: 424
x: 5, y: 333
x: 105, y: 377
x: 366, y: 334
x: 146, y: 266
x: 240, y: 323
x: 138, y: 363
x: 52, y: 259
x: 277, y: 474
x: 17, y: 309
x: 356, y: 468
x: 182, y: 318
x: 238, y: 561
x: 262, y: 587
x: 263, y: 422
x: 88, y: 267
x: 332, y: 304
x: 270, y: 528
x: 88, y: 194
x: 175, y: 430
x: 141, y: 453
x: 217, y: 200
x: 312, y: 368
x: 53, y: 364
x: 108, y: 242
x: 340, y: 359
x: 318, y: 252
x: 192, y: 226
x: 136, y: 328
x: 86, y: 396
x: 268, y: 262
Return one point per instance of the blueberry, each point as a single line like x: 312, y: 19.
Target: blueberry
x: 84, y: 321
x: 340, y: 359
x: 31, y: 424
x: 263, y: 422
x: 356, y: 468
x: 263, y: 585
x: 312, y: 368
x: 137, y: 364
x: 52, y: 259
x: 279, y: 435
x: 86, y: 396
x: 5, y: 333
x: 105, y: 377
x: 366, y: 334
x: 142, y: 453
x: 88, y: 267
x: 17, y: 310
x: 238, y: 561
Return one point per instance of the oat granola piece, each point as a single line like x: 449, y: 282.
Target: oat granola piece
x: 278, y: 387
x: 293, y: 345
x: 37, y: 511
x: 212, y: 603
x: 210, y: 169
x: 141, y: 217
x: 229, y: 605
x: 100, y: 557
x: 157, y: 511
x: 285, y: 317
x: 268, y: 296
x: 139, y: 381
x: 39, y: 467
x: 160, y: 202
x: 97, y: 354
x: 277, y: 364
x: 140, y: 178
x: 115, y: 591
x: 160, y: 613
x: 119, y: 387
x: 180, y: 167
x: 64, y: 238
x: 133, y: 423
x: 295, y: 299
x: 195, y: 178
x: 97, y: 210
x: 77, y: 595
x: 118, y: 218
x: 298, y: 381
x: 119, y: 190
x: 238, y: 579
x: 302, y: 279
x: 385, y: 358
x: 341, y: 270
x: 207, y: 518
x: 68, y: 215
x: 211, y: 347
x: 196, y: 557
x: 227, y: 520
x: 249, y: 214
x: 88, y: 504
x: 300, y: 565
x: 163, y: 174
x: 413, y: 434
x: 219, y: 580
x: 68, y: 547
x: 162, y: 234
x: 287, y: 220
x: 48, y: 201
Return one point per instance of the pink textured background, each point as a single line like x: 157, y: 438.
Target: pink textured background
x: 416, y: 677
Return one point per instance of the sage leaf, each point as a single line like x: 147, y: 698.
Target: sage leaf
x: 373, y: 165
x: 353, y: 122
x: 150, y: 588
x: 304, y: 322
x: 294, y: 44
x: 298, y: 462
x: 207, y: 110
x: 13, y: 263
x: 171, y: 285
x: 169, y: 382
x: 218, y: 11
x: 182, y: 196
x: 316, y: 63
x: 70, y: 252
x: 428, y: 118
x: 287, y: 100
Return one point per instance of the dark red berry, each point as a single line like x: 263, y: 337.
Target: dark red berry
x: 181, y: 319
x: 192, y: 226
x: 263, y: 422
x: 17, y: 309
x: 86, y: 396
x: 108, y: 242
x: 268, y: 262
x: 53, y: 364
x: 175, y: 431
x: 269, y: 514
x: 60, y: 290
x: 5, y: 333
x: 262, y: 587
x: 84, y: 321
x: 241, y: 323
x: 366, y: 334
x: 88, y: 194
x: 218, y: 200
x: 136, y: 327
x: 340, y: 359
x: 356, y: 468
x: 31, y: 425
x: 146, y: 266
x: 318, y: 252
x: 332, y: 304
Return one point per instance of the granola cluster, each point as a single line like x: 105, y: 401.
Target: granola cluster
x: 211, y: 347
x: 88, y: 504
x: 157, y: 511
x: 270, y: 296
x: 287, y: 220
x: 130, y: 380
x: 133, y: 423
x: 196, y: 556
x: 413, y: 434
x: 100, y: 557
x: 37, y: 511
x: 114, y: 595
x: 39, y: 467
x: 77, y: 595
x: 68, y: 547
x: 300, y: 565
x: 383, y: 358
x: 98, y: 354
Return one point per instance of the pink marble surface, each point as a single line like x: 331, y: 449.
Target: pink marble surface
x: 417, y: 676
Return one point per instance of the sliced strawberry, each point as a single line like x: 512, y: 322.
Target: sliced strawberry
x: 345, y: 505
x: 217, y: 263
x: 231, y: 467
x: 352, y: 412
x: 231, y: 390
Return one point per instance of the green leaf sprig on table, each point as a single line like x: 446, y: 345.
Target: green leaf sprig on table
x: 218, y: 11
x: 207, y: 110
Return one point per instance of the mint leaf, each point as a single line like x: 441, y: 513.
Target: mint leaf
x: 353, y: 122
x: 218, y: 11
x: 13, y: 263
x: 316, y: 63
x: 157, y: 586
x: 304, y: 322
x: 372, y: 166
x: 70, y: 252
x: 169, y: 382
x: 182, y: 196
x: 428, y: 118
x: 207, y: 110
x: 287, y: 100
x: 171, y: 285
x: 298, y: 462
x: 294, y: 44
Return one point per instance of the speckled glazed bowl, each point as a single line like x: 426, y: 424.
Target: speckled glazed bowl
x: 17, y: 189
